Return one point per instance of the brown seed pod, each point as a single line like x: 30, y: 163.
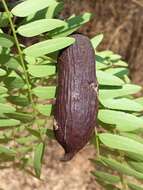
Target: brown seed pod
x: 76, y: 102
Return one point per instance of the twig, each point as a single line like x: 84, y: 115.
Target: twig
x: 97, y: 142
x: 20, y: 54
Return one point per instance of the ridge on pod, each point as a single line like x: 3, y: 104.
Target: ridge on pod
x: 75, y: 114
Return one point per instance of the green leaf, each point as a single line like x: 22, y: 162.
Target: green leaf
x: 45, y: 92
x: 14, y: 82
x: 112, y: 57
x: 105, y: 53
x: 125, y: 90
x: 132, y: 136
x: 2, y: 72
x: 7, y: 151
x: 23, y: 150
x: 97, y: 40
x: 30, y: 6
x: 105, y: 63
x: 121, y: 143
x: 123, y: 121
x: 134, y: 187
x: 54, y: 9
x: 120, y: 63
x: 3, y: 98
x: 139, y: 100
x: 13, y: 63
x: 4, y: 56
x: 122, y: 104
x: 31, y: 60
x: 5, y: 108
x: 106, y: 177
x: 3, y: 19
x: 119, y: 72
x: 42, y: 26
x: 24, y: 117
x: 26, y: 140
x: 38, y: 155
x: 41, y: 70
x: 8, y: 123
x: 4, y: 139
x: 19, y: 100
x: 108, y: 79
x: 34, y: 132
x: 42, y: 129
x: 100, y: 65
x: 50, y: 134
x: 6, y: 40
x: 3, y: 90
x: 115, y: 57
x: 71, y: 25
x: 44, y: 109
x: 138, y: 166
x: 121, y: 167
x: 48, y: 46
x: 133, y: 156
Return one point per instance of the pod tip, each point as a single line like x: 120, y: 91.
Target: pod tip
x: 67, y: 157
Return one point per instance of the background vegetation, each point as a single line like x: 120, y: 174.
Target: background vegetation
x: 31, y: 36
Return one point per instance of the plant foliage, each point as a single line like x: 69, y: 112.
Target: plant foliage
x: 28, y: 81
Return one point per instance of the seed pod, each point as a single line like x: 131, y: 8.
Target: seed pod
x: 76, y: 102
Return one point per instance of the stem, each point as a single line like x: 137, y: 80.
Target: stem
x: 20, y: 54
x: 122, y: 177
x: 97, y: 142
x: 123, y: 181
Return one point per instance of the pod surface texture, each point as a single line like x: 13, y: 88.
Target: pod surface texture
x: 76, y: 100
